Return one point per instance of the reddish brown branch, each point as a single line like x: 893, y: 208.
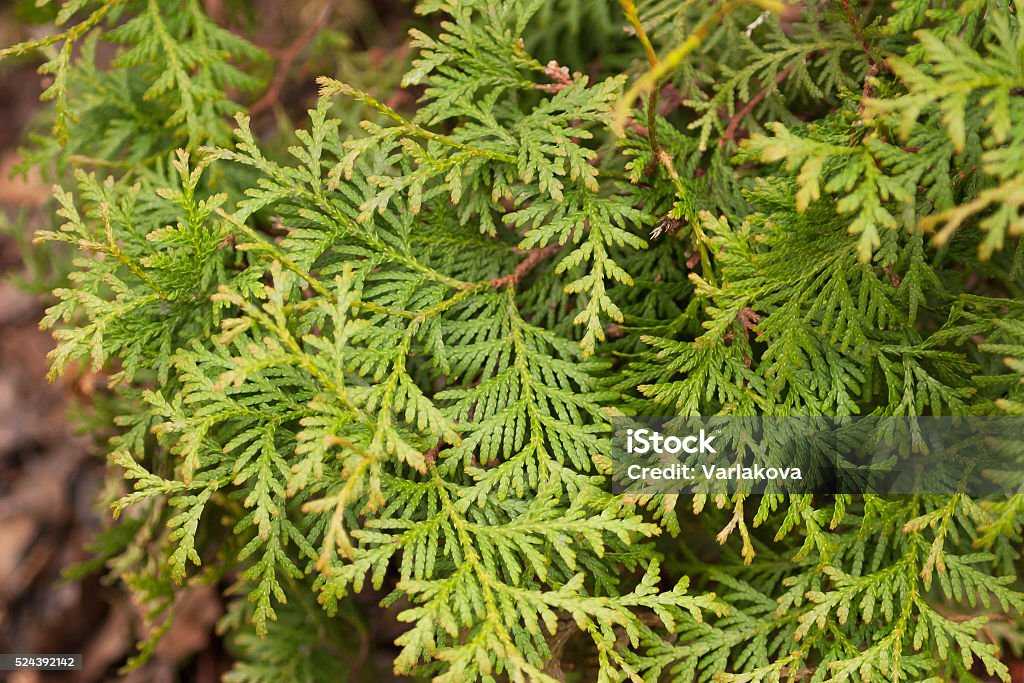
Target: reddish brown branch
x: 533, y: 257
x: 856, y: 28
x: 430, y: 457
x: 734, y: 122
x: 287, y: 57
x: 873, y: 66
x: 869, y: 88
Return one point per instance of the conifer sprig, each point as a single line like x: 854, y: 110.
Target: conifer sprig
x: 386, y: 358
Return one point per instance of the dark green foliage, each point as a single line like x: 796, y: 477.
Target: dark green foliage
x: 387, y: 359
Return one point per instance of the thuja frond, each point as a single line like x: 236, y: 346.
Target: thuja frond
x: 387, y: 357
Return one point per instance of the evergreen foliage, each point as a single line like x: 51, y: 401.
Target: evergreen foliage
x: 386, y: 359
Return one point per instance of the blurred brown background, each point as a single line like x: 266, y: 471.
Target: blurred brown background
x: 48, y: 480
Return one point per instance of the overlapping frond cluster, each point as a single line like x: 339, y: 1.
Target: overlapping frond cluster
x: 312, y: 409
x: 387, y: 360
x: 170, y: 85
x: 828, y: 295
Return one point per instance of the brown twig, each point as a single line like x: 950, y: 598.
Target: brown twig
x: 533, y: 257
x: 430, y: 457
x: 856, y: 28
x: 734, y: 122
x: 873, y: 66
x: 216, y: 10
x: 869, y: 89
x: 286, y: 57
x: 629, y: 7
